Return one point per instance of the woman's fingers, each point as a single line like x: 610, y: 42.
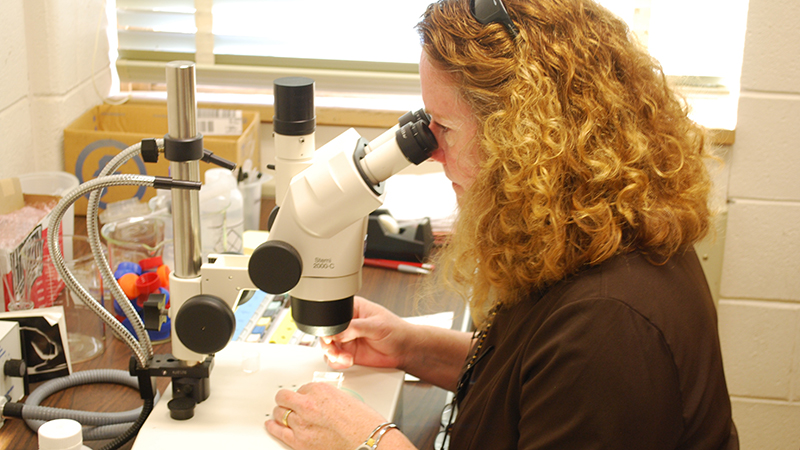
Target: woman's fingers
x: 312, y: 418
x: 280, y: 425
x: 335, y: 356
x: 284, y: 417
x: 338, y: 360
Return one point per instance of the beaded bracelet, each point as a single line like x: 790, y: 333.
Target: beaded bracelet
x: 372, y: 442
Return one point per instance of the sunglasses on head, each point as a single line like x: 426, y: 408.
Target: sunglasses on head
x: 489, y: 11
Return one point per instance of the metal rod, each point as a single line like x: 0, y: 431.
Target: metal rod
x: 181, y: 102
x: 182, y: 123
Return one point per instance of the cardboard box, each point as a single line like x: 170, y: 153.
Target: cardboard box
x: 93, y: 139
x: 23, y: 249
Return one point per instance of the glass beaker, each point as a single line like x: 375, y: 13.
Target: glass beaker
x: 135, y: 239
x: 85, y: 330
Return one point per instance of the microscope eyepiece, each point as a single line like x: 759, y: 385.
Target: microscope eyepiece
x: 415, y: 116
x: 294, y: 106
x: 416, y: 141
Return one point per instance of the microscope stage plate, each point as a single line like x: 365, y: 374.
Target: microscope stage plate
x: 234, y: 415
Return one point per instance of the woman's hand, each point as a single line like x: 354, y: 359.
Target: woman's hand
x: 378, y: 338
x: 323, y: 417
x: 375, y: 338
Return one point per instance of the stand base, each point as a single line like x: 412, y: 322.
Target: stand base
x: 234, y: 415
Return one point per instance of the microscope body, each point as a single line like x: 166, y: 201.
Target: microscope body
x: 323, y: 217
x: 317, y: 234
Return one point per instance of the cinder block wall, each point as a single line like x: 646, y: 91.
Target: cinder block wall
x: 46, y: 77
x: 759, y: 307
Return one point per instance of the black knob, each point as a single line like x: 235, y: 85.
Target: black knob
x: 275, y: 267
x: 205, y: 324
x: 15, y: 368
x: 181, y: 408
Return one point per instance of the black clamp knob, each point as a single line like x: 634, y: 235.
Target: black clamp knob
x: 154, y: 312
x: 149, y: 151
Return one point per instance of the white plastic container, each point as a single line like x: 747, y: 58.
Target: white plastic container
x: 61, y: 434
x: 251, y: 196
x: 52, y: 183
x: 221, y: 214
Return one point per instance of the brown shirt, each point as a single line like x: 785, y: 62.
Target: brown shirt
x: 624, y: 355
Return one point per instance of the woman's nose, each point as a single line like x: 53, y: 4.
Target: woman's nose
x: 438, y: 154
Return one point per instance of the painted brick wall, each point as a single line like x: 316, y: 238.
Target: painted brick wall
x: 46, y: 74
x: 759, y: 307
x: 15, y: 126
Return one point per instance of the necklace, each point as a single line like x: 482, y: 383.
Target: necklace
x: 477, y: 354
x: 443, y: 439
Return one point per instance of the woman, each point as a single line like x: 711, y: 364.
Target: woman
x: 581, y: 188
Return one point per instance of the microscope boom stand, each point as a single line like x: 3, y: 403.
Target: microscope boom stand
x: 190, y: 384
x: 204, y: 324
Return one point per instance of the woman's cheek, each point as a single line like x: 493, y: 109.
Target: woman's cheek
x: 450, y: 140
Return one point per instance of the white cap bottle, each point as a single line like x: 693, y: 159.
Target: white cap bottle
x: 221, y: 213
x: 61, y: 434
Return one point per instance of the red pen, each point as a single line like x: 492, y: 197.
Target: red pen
x: 393, y: 262
x: 400, y: 266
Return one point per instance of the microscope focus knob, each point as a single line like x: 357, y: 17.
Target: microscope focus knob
x: 181, y: 408
x: 205, y: 324
x: 275, y: 267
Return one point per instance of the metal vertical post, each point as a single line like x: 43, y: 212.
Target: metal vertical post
x: 182, y: 122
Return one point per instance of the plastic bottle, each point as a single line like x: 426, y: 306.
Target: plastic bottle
x: 61, y: 434
x: 221, y: 213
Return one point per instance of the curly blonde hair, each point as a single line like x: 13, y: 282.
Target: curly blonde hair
x: 585, y: 152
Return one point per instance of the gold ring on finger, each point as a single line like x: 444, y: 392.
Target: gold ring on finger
x: 286, y: 417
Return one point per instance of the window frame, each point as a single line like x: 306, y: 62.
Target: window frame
x: 347, y: 81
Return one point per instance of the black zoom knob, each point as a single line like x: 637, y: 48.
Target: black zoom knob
x: 275, y: 267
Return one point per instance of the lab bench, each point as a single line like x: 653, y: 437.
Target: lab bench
x: 420, y: 406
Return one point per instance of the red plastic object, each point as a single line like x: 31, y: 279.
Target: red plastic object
x: 147, y: 283
x: 151, y: 264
